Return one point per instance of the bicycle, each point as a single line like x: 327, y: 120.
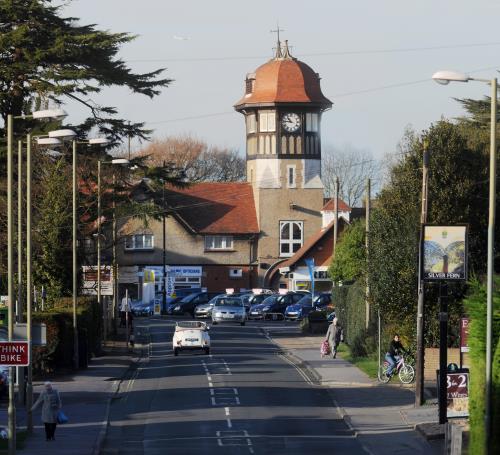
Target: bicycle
x: 404, y: 370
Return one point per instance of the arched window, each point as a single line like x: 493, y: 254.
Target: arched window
x: 291, y: 237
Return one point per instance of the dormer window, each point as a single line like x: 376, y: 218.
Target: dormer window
x: 250, y: 83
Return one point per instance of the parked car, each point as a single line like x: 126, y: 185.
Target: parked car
x: 228, y: 309
x: 191, y: 335
x: 143, y: 309
x: 187, y: 305
x: 205, y: 310
x: 276, y: 303
x: 307, y: 304
x: 252, y: 299
x: 171, y: 303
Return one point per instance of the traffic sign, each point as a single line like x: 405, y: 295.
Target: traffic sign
x: 14, y: 353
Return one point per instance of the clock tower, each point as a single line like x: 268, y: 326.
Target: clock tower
x: 283, y: 105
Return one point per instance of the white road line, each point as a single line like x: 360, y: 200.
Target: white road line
x: 210, y: 384
x: 213, y: 402
x: 212, y: 392
x: 229, y: 424
x: 227, y: 411
x: 209, y: 377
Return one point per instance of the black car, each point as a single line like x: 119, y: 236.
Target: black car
x: 276, y: 303
x: 187, y: 304
x: 253, y: 299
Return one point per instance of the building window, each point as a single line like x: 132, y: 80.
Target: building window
x: 218, y: 242
x: 251, y: 124
x: 312, y: 122
x: 139, y: 242
x: 291, y: 180
x: 291, y: 237
x: 267, y: 121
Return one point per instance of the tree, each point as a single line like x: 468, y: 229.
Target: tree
x: 352, y: 167
x: 458, y: 193
x: 349, y: 262
x: 47, y: 57
x: 196, y: 158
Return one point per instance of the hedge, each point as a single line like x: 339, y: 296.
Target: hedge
x: 58, y: 352
x: 476, y: 309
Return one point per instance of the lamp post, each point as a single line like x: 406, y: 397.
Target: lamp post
x: 117, y: 161
x: 49, y: 113
x: 445, y: 77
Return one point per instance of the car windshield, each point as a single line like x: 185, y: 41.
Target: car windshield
x: 306, y: 300
x: 228, y: 301
x: 271, y: 300
x: 191, y: 325
x: 188, y: 298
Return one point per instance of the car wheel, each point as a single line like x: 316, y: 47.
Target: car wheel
x: 176, y: 352
x: 207, y: 351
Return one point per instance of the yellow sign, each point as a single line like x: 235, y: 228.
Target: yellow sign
x: 149, y: 276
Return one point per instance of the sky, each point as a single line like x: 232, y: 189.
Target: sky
x: 375, y: 60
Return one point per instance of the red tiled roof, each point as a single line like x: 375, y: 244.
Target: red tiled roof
x: 330, y: 206
x: 215, y: 208
x: 285, y: 81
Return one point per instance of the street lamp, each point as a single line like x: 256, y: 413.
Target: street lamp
x: 445, y: 77
x: 116, y: 161
x: 48, y: 113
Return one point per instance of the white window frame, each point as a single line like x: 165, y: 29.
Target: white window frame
x: 251, y: 124
x: 267, y: 121
x: 312, y: 122
x: 133, y: 246
x: 293, y: 169
x: 226, y: 242
x: 291, y: 241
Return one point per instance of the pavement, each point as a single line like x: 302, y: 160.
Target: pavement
x: 86, y: 397
x: 383, y: 416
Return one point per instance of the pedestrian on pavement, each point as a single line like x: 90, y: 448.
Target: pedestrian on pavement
x: 334, y: 336
x: 124, y: 309
x: 51, y: 404
x: 394, y: 353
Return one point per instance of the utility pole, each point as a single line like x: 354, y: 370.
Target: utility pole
x: 164, y: 303
x: 367, y: 245
x: 115, y: 265
x: 29, y: 288
x: 335, y: 226
x: 420, y: 360
x: 76, y: 353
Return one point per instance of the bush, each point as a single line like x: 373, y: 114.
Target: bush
x: 476, y: 308
x: 58, y: 352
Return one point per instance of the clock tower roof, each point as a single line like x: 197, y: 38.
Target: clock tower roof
x: 283, y: 79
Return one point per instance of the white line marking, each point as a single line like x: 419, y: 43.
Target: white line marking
x: 237, y: 401
x: 227, y: 411
x: 212, y: 392
x: 210, y: 384
x: 209, y: 377
x: 229, y: 424
x: 213, y: 402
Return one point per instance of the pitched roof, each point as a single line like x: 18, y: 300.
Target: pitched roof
x: 215, y: 208
x: 330, y: 206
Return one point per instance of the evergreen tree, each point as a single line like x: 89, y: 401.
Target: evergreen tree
x: 45, y: 56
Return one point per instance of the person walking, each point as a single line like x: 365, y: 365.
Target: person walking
x: 334, y: 336
x: 124, y: 309
x: 51, y: 405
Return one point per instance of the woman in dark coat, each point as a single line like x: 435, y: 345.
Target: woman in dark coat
x: 51, y: 404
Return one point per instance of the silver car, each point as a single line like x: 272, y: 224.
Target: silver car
x: 229, y: 309
x: 205, y: 310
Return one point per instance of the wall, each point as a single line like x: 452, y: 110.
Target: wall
x: 432, y: 361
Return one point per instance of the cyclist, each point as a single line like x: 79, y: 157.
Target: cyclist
x: 394, y: 353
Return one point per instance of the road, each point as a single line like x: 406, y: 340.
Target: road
x: 244, y: 398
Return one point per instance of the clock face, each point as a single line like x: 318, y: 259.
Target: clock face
x: 290, y: 122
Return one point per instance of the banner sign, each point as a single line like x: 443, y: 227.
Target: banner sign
x: 444, y: 253
x: 464, y: 335
x: 14, y: 354
x: 457, y: 394
x: 90, y: 280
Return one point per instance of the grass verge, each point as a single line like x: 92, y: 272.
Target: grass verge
x: 369, y: 365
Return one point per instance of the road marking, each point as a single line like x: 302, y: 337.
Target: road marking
x: 227, y: 411
x: 210, y: 384
x: 304, y: 376
x: 229, y: 424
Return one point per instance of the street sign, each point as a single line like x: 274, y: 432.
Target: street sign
x: 457, y: 394
x: 14, y: 353
x: 464, y: 335
x: 444, y: 253
x: 90, y: 280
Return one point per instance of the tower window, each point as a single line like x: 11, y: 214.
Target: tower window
x: 312, y: 124
x: 251, y: 124
x: 291, y: 176
x: 267, y: 121
x: 291, y: 237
